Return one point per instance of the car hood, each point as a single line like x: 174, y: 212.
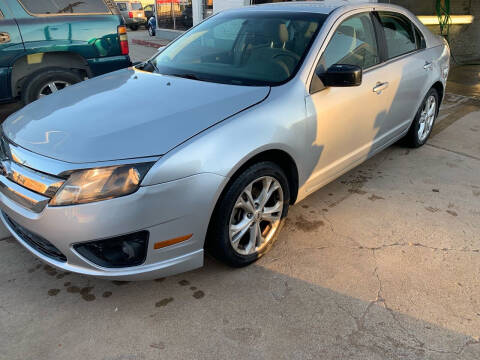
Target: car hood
x: 125, y: 114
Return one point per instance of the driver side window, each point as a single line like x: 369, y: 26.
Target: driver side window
x: 353, y: 43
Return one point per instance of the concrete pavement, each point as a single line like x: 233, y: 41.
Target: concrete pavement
x: 143, y: 46
x: 383, y: 263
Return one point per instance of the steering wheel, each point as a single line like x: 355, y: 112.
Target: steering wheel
x: 284, y: 64
x: 289, y: 54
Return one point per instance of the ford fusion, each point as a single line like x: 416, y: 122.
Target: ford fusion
x: 250, y: 112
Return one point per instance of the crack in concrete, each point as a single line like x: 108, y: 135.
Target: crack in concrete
x: 382, y: 247
x: 454, y: 152
x: 362, y: 329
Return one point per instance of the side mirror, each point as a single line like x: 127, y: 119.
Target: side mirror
x: 342, y: 75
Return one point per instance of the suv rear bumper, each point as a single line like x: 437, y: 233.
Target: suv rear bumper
x: 136, y: 21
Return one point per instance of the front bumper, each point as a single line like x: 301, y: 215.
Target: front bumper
x: 166, y: 211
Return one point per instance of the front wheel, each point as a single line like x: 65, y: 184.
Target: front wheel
x: 422, y: 125
x: 250, y: 214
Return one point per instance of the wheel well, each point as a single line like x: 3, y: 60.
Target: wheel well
x: 279, y: 157
x: 31, y: 63
x: 282, y: 159
x: 439, y: 87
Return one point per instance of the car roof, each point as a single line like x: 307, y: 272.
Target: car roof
x: 319, y: 6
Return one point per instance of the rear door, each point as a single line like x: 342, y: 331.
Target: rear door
x: 409, y: 67
x: 11, y: 47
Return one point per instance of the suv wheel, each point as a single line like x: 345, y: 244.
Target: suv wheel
x: 250, y: 215
x: 46, y: 82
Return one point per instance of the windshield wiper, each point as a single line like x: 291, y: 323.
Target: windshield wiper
x: 186, y: 76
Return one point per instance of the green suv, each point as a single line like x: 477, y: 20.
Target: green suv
x: 46, y: 45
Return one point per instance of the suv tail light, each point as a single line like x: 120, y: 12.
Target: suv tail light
x: 122, y: 36
x: 130, y: 14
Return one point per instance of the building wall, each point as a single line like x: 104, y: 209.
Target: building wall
x: 464, y: 39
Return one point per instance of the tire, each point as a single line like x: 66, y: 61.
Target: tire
x: 151, y: 30
x: 424, y: 121
x: 134, y: 27
x: 229, y: 217
x: 37, y: 83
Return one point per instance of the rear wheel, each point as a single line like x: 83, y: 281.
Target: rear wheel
x: 250, y: 214
x: 47, y: 82
x: 134, y: 27
x: 424, y: 120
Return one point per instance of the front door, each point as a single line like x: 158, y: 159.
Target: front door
x: 11, y: 47
x: 349, y: 121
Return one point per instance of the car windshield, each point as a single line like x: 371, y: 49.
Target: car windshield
x: 137, y: 6
x: 259, y: 48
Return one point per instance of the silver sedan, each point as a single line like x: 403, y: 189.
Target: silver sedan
x: 249, y: 112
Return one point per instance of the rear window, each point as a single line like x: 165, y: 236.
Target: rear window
x: 398, y: 33
x: 137, y: 6
x: 46, y: 7
x: 122, y: 6
x: 420, y: 39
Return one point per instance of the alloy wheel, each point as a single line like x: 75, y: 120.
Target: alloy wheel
x: 52, y: 87
x: 256, y: 215
x: 427, y: 117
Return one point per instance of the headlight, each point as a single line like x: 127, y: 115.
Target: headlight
x: 91, y: 185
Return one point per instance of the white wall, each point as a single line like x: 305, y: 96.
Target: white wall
x: 219, y: 5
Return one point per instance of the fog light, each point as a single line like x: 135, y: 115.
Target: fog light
x: 122, y: 251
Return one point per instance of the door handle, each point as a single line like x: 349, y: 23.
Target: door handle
x: 428, y: 65
x: 380, y: 87
x: 4, y: 38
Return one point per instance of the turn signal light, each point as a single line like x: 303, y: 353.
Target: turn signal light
x: 123, y: 38
x: 162, y: 244
x: 130, y: 15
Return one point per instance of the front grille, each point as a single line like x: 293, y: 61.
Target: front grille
x: 37, y: 242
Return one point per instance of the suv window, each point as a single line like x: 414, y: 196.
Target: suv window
x: 122, y: 6
x: 353, y: 43
x: 136, y: 6
x: 399, y: 34
x: 43, y: 7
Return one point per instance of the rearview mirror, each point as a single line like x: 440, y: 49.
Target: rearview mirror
x: 342, y: 75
